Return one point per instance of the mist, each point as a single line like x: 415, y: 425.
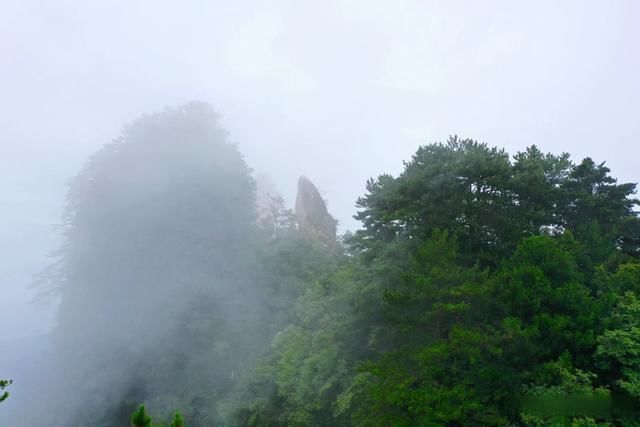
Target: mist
x: 337, y: 92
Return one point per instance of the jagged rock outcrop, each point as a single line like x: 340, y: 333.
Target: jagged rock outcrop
x: 311, y: 212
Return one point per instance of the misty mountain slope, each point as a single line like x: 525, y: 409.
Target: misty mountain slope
x: 163, y: 276
x: 478, y: 281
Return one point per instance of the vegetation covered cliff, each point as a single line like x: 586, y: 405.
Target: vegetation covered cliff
x: 477, y: 279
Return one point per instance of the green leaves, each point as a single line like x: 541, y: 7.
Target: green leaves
x: 3, y: 385
x: 490, y: 203
x: 436, y: 292
x: 475, y: 276
x: 140, y: 418
x: 619, y: 348
x: 177, y: 421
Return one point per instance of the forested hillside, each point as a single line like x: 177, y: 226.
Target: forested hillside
x: 478, y: 279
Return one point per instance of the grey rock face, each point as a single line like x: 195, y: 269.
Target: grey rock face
x: 311, y: 212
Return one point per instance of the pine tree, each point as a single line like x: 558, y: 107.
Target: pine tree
x: 140, y: 418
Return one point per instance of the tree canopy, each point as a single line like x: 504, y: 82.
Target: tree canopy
x: 478, y: 280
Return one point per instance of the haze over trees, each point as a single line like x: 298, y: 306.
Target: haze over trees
x: 477, y: 279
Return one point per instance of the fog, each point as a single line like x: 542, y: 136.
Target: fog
x: 338, y: 91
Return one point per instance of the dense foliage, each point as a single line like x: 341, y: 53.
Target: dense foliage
x: 476, y: 281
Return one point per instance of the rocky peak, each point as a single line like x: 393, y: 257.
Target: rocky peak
x: 311, y: 212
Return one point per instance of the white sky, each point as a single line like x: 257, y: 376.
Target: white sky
x: 337, y: 90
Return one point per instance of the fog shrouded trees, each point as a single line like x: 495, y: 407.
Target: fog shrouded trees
x: 161, y: 300
x: 476, y: 280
